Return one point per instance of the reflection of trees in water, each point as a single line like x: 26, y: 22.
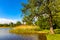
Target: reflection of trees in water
x: 29, y: 36
x: 33, y: 36
x: 42, y: 37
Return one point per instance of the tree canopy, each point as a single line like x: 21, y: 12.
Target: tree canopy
x: 44, y: 10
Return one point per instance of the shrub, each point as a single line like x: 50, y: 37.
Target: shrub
x: 25, y: 29
x: 57, y: 31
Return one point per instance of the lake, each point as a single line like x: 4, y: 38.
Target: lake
x: 6, y: 35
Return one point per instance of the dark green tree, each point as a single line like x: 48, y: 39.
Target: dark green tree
x: 39, y: 8
x: 11, y: 24
x: 18, y: 23
x: 28, y: 20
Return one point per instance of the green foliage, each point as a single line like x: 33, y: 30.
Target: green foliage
x: 53, y: 37
x: 4, y: 25
x: 11, y: 24
x: 57, y: 31
x: 42, y: 23
x: 44, y: 10
x: 18, y: 23
x: 28, y: 20
x: 27, y: 30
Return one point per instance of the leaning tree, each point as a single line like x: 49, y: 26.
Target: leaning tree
x: 39, y: 8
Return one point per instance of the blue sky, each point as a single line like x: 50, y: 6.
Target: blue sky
x: 10, y: 9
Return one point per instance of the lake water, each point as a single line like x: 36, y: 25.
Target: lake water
x: 5, y: 35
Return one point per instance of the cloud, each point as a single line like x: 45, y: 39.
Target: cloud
x: 7, y: 21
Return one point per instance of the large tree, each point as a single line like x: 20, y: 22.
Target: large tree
x: 39, y: 8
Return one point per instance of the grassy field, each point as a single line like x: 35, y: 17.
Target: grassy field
x: 53, y: 37
x: 26, y: 27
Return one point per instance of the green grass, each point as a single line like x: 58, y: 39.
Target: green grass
x: 53, y: 37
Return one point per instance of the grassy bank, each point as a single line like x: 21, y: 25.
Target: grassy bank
x: 25, y: 29
x: 19, y: 31
x: 4, y: 27
x: 49, y: 36
x: 53, y: 37
x: 34, y: 29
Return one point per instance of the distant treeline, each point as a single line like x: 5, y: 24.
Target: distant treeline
x: 11, y: 24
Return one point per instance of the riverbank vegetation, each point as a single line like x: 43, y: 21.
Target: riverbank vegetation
x: 11, y: 24
x: 44, y: 13
x: 25, y: 29
x: 53, y: 37
x: 40, y: 13
x: 39, y: 16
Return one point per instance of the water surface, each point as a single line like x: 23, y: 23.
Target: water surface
x: 5, y: 35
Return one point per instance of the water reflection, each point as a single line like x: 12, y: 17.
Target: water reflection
x: 42, y: 37
x: 29, y: 36
x: 5, y: 35
x: 33, y: 37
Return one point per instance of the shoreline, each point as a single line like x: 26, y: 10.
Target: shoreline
x: 4, y: 27
x: 28, y: 32
x: 27, y: 29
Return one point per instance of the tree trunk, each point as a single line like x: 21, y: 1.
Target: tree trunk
x: 50, y: 18
x: 51, y: 24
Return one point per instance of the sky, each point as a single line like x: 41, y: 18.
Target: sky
x: 10, y: 10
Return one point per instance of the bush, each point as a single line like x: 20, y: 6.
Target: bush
x: 57, y: 31
x: 25, y: 29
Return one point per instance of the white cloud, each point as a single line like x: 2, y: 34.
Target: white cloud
x: 7, y: 21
